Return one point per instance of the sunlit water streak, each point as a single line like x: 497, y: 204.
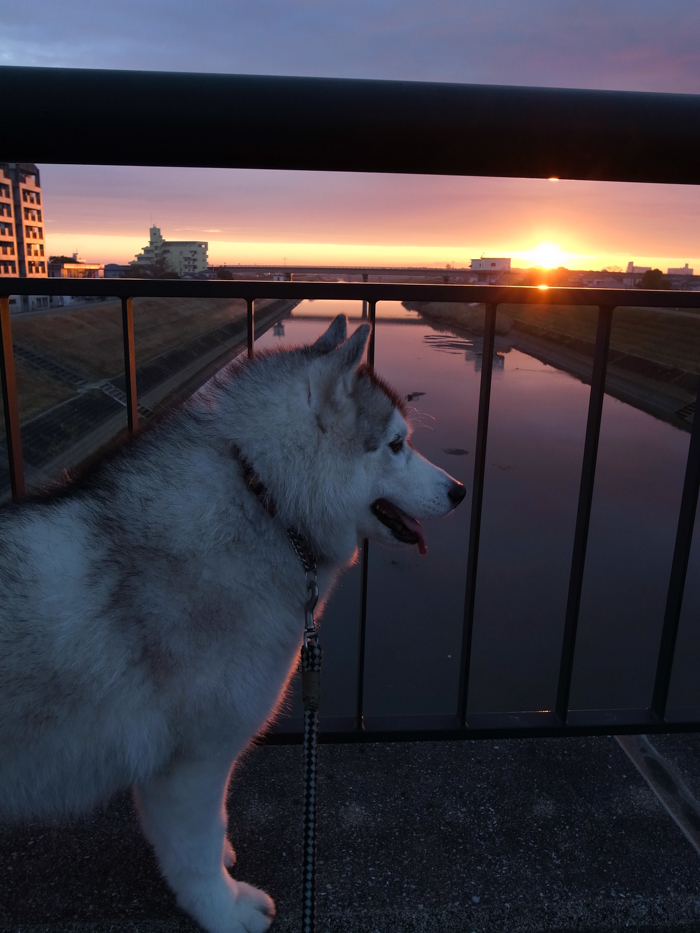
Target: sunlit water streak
x: 536, y: 432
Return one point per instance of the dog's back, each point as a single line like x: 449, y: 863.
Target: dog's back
x: 72, y: 730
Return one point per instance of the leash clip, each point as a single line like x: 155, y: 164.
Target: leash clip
x: 311, y: 601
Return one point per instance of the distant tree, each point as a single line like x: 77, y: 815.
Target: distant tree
x: 654, y: 278
x: 539, y: 276
x: 161, y: 269
x: 138, y: 271
x: 222, y: 273
x: 61, y: 259
x: 155, y: 270
x: 558, y: 276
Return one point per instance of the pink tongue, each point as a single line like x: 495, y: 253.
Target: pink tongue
x: 413, y: 525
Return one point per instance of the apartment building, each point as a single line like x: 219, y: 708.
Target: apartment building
x: 183, y: 257
x: 22, y: 250
x: 8, y: 237
x: 22, y: 247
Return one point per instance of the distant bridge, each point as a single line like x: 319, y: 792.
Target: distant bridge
x: 366, y: 273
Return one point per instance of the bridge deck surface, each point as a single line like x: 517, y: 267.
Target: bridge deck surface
x: 507, y: 836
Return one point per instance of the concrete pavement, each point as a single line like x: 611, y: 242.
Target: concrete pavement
x: 489, y: 836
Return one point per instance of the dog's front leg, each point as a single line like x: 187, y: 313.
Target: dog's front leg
x: 183, y: 815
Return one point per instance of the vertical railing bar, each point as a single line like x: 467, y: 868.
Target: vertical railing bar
x: 583, y: 514
x: 371, y: 316
x: 10, y: 402
x: 132, y: 404
x: 359, y: 713
x: 679, y: 569
x: 359, y: 709
x: 482, y: 429
x: 250, y: 318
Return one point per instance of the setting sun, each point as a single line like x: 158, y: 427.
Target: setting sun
x: 548, y: 255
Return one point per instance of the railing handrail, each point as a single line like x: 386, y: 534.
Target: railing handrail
x: 348, y: 125
x: 350, y: 291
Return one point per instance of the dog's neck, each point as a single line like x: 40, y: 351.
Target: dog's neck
x: 302, y: 547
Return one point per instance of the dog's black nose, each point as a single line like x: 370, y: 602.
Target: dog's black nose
x: 456, y: 493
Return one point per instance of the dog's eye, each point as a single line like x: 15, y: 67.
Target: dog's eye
x: 396, y: 445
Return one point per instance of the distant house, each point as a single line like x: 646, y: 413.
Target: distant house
x: 75, y: 268
x: 490, y: 264
x: 114, y: 270
x: 490, y: 269
x: 182, y: 257
x: 602, y: 279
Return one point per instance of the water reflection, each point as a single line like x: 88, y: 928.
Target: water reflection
x: 537, y: 424
x: 473, y: 348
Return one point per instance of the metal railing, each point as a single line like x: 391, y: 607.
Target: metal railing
x: 384, y: 126
x: 559, y: 721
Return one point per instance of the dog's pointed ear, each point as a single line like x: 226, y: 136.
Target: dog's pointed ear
x: 350, y: 353
x: 334, y: 336
x: 330, y: 376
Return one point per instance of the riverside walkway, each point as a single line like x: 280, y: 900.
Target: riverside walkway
x: 556, y: 835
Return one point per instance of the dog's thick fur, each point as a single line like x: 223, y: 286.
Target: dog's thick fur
x: 151, y: 614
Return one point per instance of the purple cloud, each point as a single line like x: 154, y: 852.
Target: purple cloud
x: 616, y: 44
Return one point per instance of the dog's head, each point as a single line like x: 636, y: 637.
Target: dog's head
x: 363, y: 419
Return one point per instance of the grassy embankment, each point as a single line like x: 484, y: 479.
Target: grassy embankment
x: 664, y: 337
x: 91, y: 337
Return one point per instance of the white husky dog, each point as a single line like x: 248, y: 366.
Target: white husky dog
x: 151, y: 614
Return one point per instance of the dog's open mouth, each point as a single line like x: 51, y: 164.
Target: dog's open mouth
x: 403, y: 527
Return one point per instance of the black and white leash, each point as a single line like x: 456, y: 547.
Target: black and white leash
x: 311, y: 694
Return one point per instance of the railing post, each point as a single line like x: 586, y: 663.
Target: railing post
x: 250, y: 317
x: 679, y: 569
x: 583, y: 515
x: 132, y: 405
x: 10, y: 403
x: 371, y: 315
x: 482, y: 429
x: 359, y: 713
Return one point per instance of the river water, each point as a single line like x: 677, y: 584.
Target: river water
x: 535, y: 447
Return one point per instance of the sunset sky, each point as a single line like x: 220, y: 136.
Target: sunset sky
x: 265, y: 216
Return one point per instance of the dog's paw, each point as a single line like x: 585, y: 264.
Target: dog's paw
x: 223, y: 905
x: 257, y: 909
x: 229, y: 854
